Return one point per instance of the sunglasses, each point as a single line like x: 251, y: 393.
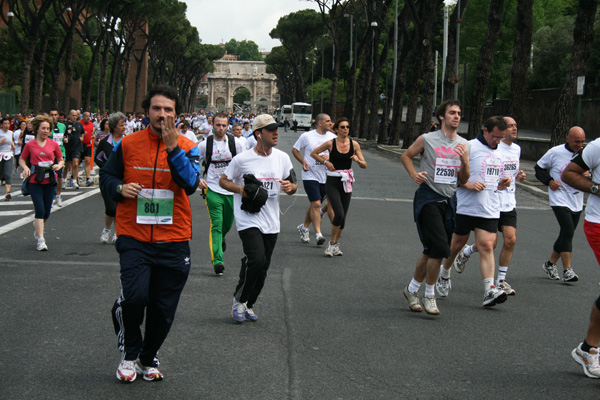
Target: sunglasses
x: 344, y: 127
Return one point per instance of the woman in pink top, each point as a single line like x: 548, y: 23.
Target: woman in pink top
x: 44, y: 158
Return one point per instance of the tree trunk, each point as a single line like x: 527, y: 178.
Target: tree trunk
x: 583, y: 37
x: 427, y: 67
x: 66, y: 103
x: 484, y: 68
x: 138, y: 74
x: 337, y: 56
x: 126, y: 71
x: 38, y: 73
x: 406, y: 53
x: 413, y: 103
x: 373, y: 120
x: 521, y: 58
x: 87, y: 90
x: 26, y: 76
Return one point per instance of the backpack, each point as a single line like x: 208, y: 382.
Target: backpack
x: 209, y: 150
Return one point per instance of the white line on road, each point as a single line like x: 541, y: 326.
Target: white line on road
x: 14, y: 212
x: 25, y: 220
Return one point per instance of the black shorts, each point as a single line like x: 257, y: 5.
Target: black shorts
x: 87, y: 151
x: 508, y: 218
x: 434, y: 234
x: 314, y: 190
x: 73, y: 153
x: 465, y: 224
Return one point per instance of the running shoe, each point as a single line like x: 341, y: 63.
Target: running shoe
x: 336, y: 250
x: 551, y: 271
x: 238, y: 311
x: 41, y: 244
x: 461, y: 260
x: 105, y: 235
x: 219, y: 268
x: 589, y: 361
x: 64, y: 183
x: 114, y: 238
x: 329, y: 249
x: 7, y: 197
x: 320, y: 239
x: 304, y: 234
x: 443, y: 286
x: 494, y: 296
x: 250, y: 315
x: 413, y: 300
x: 126, y: 372
x: 507, y: 288
x: 89, y: 182
x: 58, y: 201
x: 149, y: 373
x: 430, y: 306
x: 569, y: 275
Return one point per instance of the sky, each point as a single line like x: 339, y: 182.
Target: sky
x: 220, y: 21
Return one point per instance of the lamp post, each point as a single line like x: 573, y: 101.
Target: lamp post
x: 447, y: 4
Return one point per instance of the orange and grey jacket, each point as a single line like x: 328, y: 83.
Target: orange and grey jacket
x: 142, y: 157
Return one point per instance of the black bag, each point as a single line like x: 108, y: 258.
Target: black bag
x: 257, y: 194
x: 25, y: 187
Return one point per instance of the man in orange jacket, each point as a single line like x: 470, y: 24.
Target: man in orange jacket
x: 150, y: 174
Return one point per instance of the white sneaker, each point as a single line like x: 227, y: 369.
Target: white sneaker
x: 413, y: 300
x: 126, y: 371
x: 41, y: 244
x: 461, y: 260
x: 329, y: 249
x: 589, y: 361
x: 304, y: 233
x: 320, y: 239
x: 430, y: 306
x: 494, y: 296
x: 336, y: 250
x: 105, y: 235
x: 443, y: 286
x: 150, y: 372
x: 114, y: 238
x: 58, y: 201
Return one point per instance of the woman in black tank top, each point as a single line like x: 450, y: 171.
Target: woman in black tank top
x: 342, y: 151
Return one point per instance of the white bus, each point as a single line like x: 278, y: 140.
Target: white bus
x: 302, y: 114
x: 286, y: 113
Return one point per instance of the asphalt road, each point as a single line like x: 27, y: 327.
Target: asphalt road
x: 328, y: 328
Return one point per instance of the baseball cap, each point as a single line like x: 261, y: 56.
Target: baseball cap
x: 265, y: 121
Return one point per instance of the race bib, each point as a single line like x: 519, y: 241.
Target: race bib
x: 446, y: 170
x: 58, y: 137
x: 155, y: 207
x: 493, y: 169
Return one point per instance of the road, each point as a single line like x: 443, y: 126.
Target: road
x: 328, y: 329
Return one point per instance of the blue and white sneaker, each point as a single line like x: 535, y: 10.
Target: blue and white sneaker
x: 238, y: 311
x: 250, y: 315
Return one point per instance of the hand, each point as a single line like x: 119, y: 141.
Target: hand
x: 462, y: 152
x: 503, y: 183
x: 521, y: 176
x: 355, y: 158
x: 131, y: 190
x: 26, y: 172
x: 202, y: 184
x: 305, y: 166
x: 477, y: 186
x: 554, y: 185
x: 56, y: 167
x: 330, y: 167
x: 420, y: 177
x: 587, y: 174
x: 169, y: 132
x: 287, y: 186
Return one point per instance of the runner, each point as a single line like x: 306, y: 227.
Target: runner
x: 6, y: 156
x: 58, y: 135
x: 576, y: 176
x: 566, y: 202
x: 444, y: 163
x: 258, y: 227
x: 478, y: 206
x: 313, y: 175
x: 510, y: 152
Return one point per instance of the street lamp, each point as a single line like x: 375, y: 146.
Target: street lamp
x: 10, y: 14
x: 447, y: 4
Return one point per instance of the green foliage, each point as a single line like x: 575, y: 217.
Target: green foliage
x: 241, y: 95
x: 246, y: 50
x: 326, y: 85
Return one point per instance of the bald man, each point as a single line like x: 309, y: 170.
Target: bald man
x: 565, y: 200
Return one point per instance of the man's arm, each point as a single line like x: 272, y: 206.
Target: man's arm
x: 407, y: 161
x: 230, y: 186
x: 575, y: 174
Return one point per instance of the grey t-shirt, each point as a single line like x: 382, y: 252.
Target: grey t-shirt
x: 441, y: 162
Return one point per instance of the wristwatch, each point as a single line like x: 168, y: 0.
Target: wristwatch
x: 594, y: 189
x: 119, y: 189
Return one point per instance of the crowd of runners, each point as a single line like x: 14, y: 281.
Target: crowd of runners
x: 150, y: 163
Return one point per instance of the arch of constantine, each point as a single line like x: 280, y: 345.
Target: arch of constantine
x: 229, y: 76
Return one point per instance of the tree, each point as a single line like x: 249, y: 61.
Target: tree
x: 246, y: 50
x: 298, y: 33
x: 583, y: 38
x: 521, y: 57
x: 484, y: 68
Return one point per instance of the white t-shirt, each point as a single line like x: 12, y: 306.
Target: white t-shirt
x: 485, y: 166
x: 269, y: 170
x: 309, y: 141
x: 220, y: 158
x: 251, y: 142
x: 247, y: 133
x: 591, y: 157
x: 510, y: 155
x: 556, y: 160
x: 6, y: 147
x: 190, y: 135
x: 243, y: 141
x: 18, y: 147
x: 205, y: 127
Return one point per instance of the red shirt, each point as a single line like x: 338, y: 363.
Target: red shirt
x: 89, y: 129
x: 41, y: 156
